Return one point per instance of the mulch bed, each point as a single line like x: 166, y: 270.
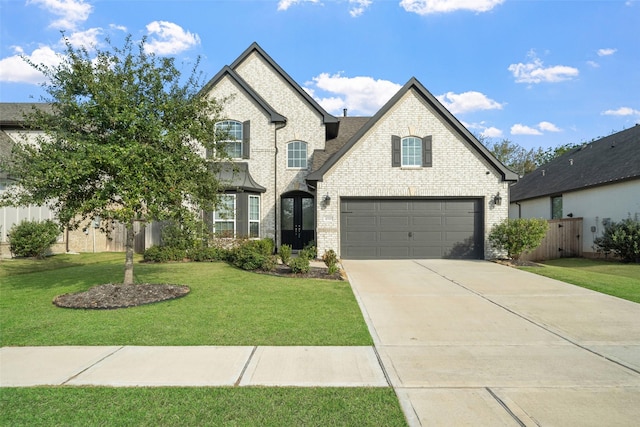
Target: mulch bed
x: 111, y: 296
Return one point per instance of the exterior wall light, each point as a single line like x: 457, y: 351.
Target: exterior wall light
x: 327, y: 200
x: 497, y: 200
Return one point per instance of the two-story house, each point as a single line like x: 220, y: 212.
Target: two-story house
x: 409, y: 182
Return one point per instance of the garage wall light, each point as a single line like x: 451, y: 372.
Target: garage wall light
x: 497, y: 200
x: 327, y: 200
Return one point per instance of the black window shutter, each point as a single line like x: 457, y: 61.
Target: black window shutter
x: 396, y: 151
x: 246, y: 138
x: 426, y: 152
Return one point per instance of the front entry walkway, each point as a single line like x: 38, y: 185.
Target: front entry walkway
x: 477, y: 343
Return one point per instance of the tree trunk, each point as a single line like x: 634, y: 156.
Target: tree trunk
x: 128, y: 263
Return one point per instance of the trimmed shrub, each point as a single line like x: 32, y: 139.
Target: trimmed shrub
x: 622, y: 238
x: 330, y: 259
x: 205, y: 254
x: 33, y: 238
x: 300, y: 264
x: 285, y: 254
x: 254, y: 255
x: 518, y: 236
x: 164, y: 254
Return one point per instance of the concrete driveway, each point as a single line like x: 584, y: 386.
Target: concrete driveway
x: 477, y: 343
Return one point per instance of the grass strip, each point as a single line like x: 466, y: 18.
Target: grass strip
x: 239, y: 406
x: 226, y: 306
x: 608, y: 277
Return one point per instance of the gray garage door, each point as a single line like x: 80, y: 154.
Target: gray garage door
x: 411, y: 228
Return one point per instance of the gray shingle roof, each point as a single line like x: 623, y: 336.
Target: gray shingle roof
x: 611, y: 159
x: 12, y: 113
x: 348, y: 127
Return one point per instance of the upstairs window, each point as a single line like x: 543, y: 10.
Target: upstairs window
x: 234, y: 136
x: 411, y: 151
x: 297, y: 155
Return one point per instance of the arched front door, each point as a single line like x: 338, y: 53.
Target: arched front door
x: 297, y: 218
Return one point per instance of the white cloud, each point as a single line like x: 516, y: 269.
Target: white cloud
x: 492, y: 132
x: 359, y: 7
x: 87, y: 39
x: 536, y: 72
x: 606, y: 52
x: 167, y: 38
x: 70, y: 12
x: 118, y: 27
x: 17, y: 70
x: 593, y: 64
x: 468, y: 101
x: 362, y: 95
x: 286, y: 4
x: 548, y: 127
x: 426, y: 7
x: 519, y: 129
x: 622, y: 111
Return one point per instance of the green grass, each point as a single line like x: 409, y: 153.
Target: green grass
x: 226, y: 306
x: 237, y: 406
x: 609, y: 277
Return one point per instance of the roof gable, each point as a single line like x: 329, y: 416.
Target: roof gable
x: 422, y: 92
x: 328, y: 119
x: 229, y: 72
x: 607, y: 160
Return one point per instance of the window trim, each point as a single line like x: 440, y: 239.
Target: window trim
x: 242, y: 143
x: 397, y: 157
x: 253, y: 221
x: 553, y: 210
x: 226, y: 220
x: 305, y: 158
x: 416, y: 158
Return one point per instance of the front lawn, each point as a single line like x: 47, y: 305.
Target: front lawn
x: 239, y: 406
x: 226, y: 306
x: 609, y: 277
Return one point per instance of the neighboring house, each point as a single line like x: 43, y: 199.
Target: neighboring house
x: 409, y: 182
x: 12, y: 130
x: 599, y: 182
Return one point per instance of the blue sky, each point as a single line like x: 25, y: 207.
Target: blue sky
x: 539, y: 73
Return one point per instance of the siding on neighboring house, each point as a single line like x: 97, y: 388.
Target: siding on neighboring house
x: 599, y: 182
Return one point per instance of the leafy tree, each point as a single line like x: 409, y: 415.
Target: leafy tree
x: 514, y: 156
x: 518, y: 236
x: 521, y: 160
x: 545, y: 156
x: 120, y: 141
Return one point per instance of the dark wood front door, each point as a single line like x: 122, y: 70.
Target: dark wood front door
x: 297, y: 220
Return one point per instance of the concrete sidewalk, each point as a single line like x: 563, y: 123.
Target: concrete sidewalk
x: 477, y: 343
x: 129, y: 366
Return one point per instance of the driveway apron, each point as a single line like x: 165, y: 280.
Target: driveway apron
x: 478, y: 343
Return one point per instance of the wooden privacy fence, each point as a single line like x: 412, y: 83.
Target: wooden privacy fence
x: 563, y: 240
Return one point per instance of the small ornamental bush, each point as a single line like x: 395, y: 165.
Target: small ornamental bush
x: 622, y: 238
x: 285, y: 254
x: 254, y: 255
x: 330, y: 259
x: 164, y: 254
x: 309, y: 253
x: 311, y: 250
x: 518, y: 236
x: 33, y: 238
x: 300, y: 264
